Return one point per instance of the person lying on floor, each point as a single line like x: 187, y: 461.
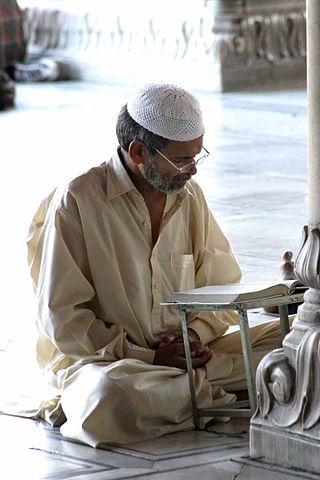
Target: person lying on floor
x: 105, y: 250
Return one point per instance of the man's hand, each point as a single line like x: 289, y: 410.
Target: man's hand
x: 176, y: 337
x: 173, y: 355
x: 170, y: 351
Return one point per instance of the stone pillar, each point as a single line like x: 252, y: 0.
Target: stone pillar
x: 260, y: 43
x: 286, y: 427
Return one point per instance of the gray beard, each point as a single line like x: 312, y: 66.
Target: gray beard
x: 152, y: 175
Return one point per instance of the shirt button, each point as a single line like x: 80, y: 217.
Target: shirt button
x: 156, y: 286
x: 146, y: 223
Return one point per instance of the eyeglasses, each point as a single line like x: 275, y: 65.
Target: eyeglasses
x: 198, y: 159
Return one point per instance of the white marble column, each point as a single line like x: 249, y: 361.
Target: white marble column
x: 313, y: 69
x: 286, y: 427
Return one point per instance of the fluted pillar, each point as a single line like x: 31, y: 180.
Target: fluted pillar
x: 286, y: 427
x: 260, y: 43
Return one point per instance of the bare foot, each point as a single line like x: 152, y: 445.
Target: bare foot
x: 286, y: 273
x: 287, y: 267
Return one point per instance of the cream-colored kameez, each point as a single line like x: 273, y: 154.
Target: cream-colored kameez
x: 99, y: 282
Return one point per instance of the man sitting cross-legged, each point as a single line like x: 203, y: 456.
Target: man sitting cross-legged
x: 105, y: 250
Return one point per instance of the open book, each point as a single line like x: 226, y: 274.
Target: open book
x: 238, y: 292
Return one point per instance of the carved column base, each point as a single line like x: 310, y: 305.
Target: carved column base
x: 285, y: 429
x: 290, y: 449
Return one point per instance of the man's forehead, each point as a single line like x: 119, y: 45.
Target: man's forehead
x: 191, y: 146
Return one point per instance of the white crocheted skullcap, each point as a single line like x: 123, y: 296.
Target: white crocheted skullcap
x: 167, y: 110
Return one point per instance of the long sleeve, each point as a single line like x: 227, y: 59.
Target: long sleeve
x: 66, y: 296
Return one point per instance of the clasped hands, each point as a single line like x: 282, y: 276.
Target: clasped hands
x: 170, y: 350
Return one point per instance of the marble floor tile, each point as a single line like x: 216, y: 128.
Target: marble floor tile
x: 33, y: 451
x: 40, y: 452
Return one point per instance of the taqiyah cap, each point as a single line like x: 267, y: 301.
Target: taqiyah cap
x: 167, y: 110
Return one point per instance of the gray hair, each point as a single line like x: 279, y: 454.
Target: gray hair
x: 128, y: 130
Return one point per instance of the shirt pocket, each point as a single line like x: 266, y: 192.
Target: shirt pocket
x: 182, y: 272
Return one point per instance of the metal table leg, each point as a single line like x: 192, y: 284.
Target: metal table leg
x: 184, y: 327
x: 247, y: 355
x: 284, y: 320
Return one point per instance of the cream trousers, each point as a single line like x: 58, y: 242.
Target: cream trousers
x: 129, y: 401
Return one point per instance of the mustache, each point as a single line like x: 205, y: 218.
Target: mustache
x: 183, y: 176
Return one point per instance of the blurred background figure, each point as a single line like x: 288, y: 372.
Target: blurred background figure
x: 12, y: 41
x: 15, y: 66
x: 12, y: 48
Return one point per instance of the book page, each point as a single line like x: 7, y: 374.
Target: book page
x: 235, y: 292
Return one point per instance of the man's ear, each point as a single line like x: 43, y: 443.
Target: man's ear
x: 137, y: 151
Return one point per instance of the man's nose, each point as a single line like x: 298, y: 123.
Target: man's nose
x: 193, y: 169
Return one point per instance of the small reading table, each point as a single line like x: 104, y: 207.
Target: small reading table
x: 244, y: 408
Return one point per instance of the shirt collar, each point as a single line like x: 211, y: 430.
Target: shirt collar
x: 118, y: 180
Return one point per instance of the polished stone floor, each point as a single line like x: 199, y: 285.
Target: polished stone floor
x: 29, y: 451
x: 255, y: 183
